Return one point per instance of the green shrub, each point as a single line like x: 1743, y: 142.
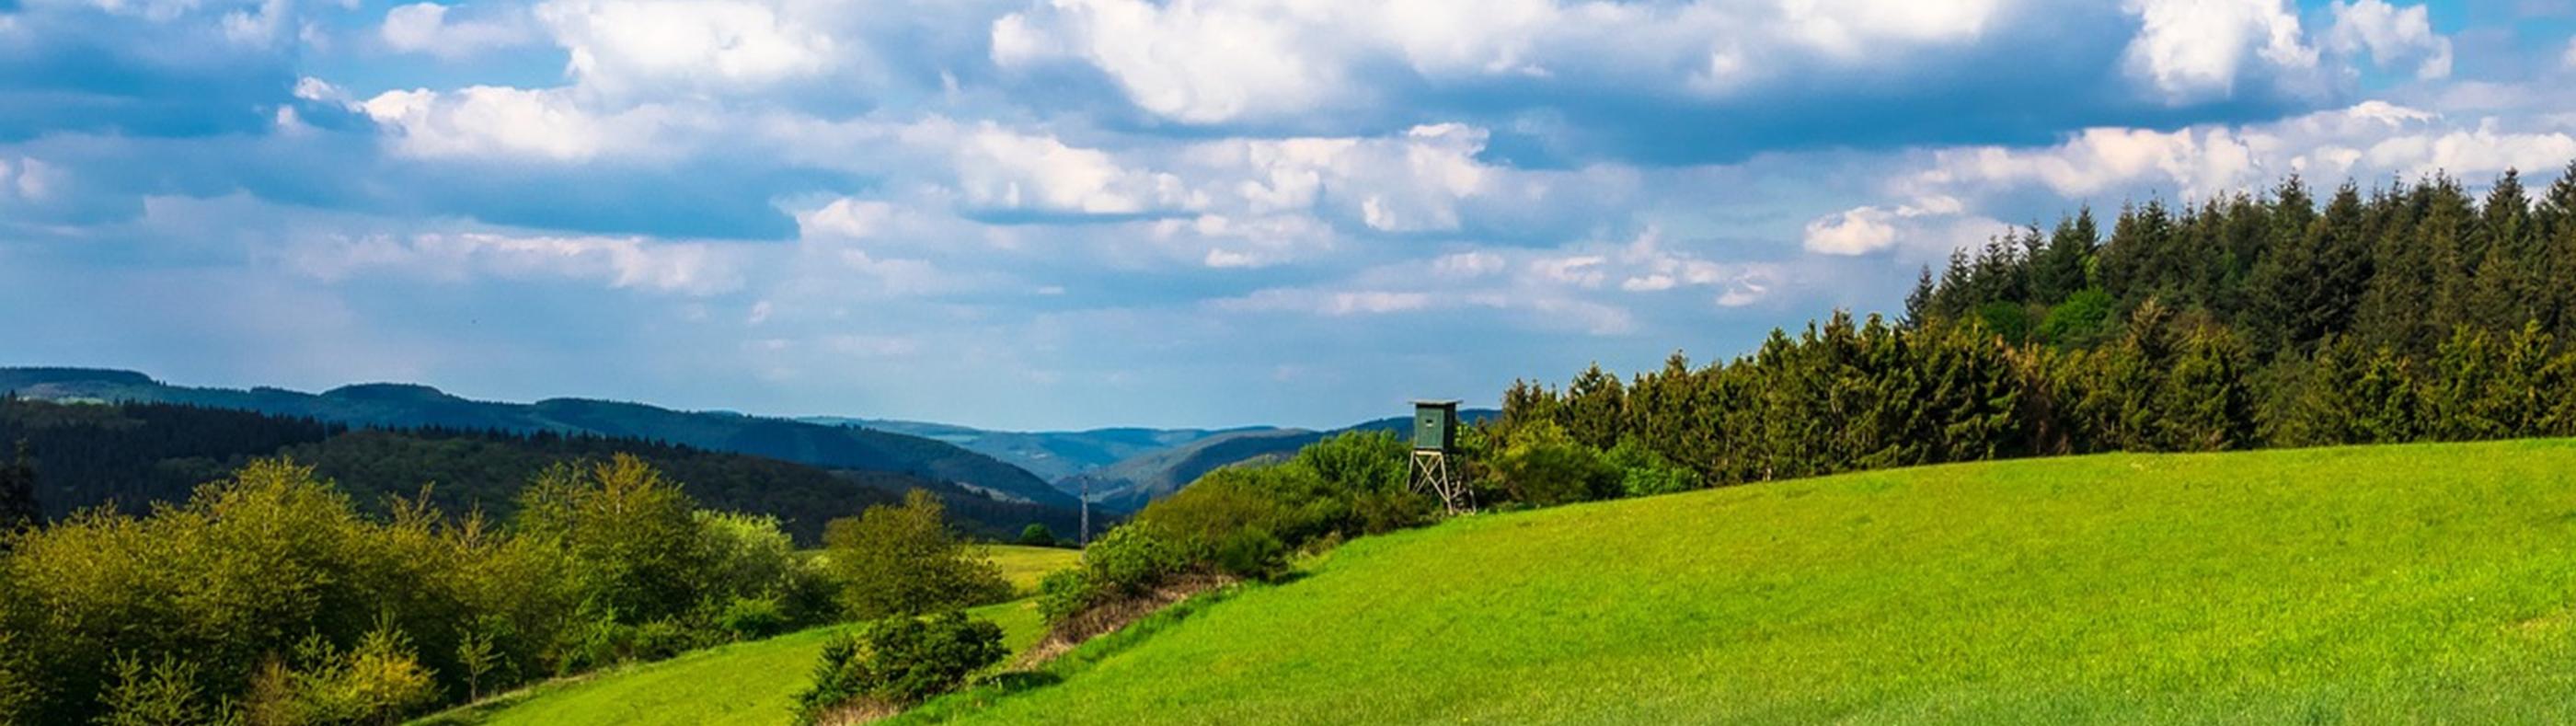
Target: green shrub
x: 1544, y: 467
x: 163, y: 693
x: 1131, y: 558
x: 1642, y: 472
x: 752, y: 618
x: 378, y: 680
x: 906, y: 561
x: 1064, y: 593
x: 899, y: 661
x: 1037, y: 535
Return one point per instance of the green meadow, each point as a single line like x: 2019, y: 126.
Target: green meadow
x: 745, y: 684
x: 2383, y: 584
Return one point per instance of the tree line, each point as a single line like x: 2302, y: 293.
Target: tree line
x: 268, y: 597
x: 2408, y: 313
x: 131, y: 455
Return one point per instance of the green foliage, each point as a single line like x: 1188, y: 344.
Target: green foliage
x: 18, y: 504
x: 375, y: 681
x: 1037, y: 535
x: 899, y: 661
x: 2006, y: 319
x: 1645, y: 473
x: 164, y: 693
x: 268, y: 596
x: 900, y: 561
x: 632, y: 536
x: 1545, y: 467
x: 2083, y: 320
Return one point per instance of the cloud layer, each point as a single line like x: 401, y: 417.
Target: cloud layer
x: 1090, y: 212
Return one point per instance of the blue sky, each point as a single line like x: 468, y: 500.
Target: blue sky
x: 1073, y: 213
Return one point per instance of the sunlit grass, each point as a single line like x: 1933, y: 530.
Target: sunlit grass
x: 2391, y: 584
x: 750, y: 684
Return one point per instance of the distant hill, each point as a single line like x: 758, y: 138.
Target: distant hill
x: 1130, y: 484
x: 397, y: 405
x: 1052, y: 455
x: 135, y: 454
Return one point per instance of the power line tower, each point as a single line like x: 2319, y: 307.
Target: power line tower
x: 1435, y: 437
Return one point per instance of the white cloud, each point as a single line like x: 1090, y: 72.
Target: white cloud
x: 694, y: 269
x: 1857, y: 231
x: 427, y: 28
x: 1002, y: 169
x: 622, y: 46
x: 2391, y: 35
x: 1217, y: 61
x: 2370, y: 139
x: 503, y: 122
x: 2195, y: 50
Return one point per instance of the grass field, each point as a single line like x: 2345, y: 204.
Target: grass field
x: 2391, y: 584
x: 1023, y: 566
x: 747, y: 684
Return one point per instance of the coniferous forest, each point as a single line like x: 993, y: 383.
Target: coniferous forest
x: 2410, y: 312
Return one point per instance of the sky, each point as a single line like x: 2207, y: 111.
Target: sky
x: 1076, y: 213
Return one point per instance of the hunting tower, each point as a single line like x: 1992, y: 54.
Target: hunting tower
x: 1435, y: 437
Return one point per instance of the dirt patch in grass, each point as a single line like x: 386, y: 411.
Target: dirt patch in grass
x: 1108, y: 617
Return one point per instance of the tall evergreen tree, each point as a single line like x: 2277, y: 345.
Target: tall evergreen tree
x: 18, y: 504
x: 2061, y: 266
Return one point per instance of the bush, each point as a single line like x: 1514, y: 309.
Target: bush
x: 1544, y: 467
x: 906, y: 561
x: 1131, y: 558
x: 752, y: 618
x: 1037, y: 535
x: 1064, y: 593
x: 1642, y: 472
x: 378, y: 680
x: 899, y: 661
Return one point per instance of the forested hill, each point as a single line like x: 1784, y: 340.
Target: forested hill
x: 2413, y: 312
x: 405, y: 406
x: 1130, y: 484
x: 136, y: 454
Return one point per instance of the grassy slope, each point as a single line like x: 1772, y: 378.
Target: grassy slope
x: 744, y: 683
x: 2378, y: 584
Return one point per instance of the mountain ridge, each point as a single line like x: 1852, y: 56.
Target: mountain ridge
x: 411, y: 405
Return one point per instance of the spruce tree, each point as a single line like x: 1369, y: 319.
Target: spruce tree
x: 18, y: 504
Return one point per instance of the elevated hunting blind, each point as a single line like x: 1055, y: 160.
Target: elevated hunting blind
x: 1435, y: 434
x: 1435, y: 425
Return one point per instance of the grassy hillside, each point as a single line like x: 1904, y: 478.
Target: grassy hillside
x: 2389, y: 584
x: 746, y: 684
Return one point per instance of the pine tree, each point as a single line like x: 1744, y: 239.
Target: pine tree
x: 2507, y: 252
x: 2060, y: 267
x: 18, y: 504
x: 2208, y: 403
x: 1918, y: 304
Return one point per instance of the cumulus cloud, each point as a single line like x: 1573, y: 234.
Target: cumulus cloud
x: 1003, y: 169
x: 2391, y: 35
x: 2193, y: 50
x: 727, y: 46
x: 504, y: 122
x: 2370, y: 139
x: 1217, y: 61
x: 693, y: 269
x: 427, y: 28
